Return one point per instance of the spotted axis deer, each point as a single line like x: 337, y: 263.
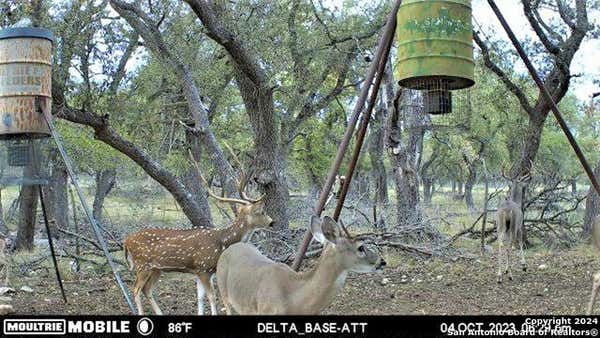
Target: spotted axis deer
x: 251, y: 283
x: 152, y: 251
x: 596, y: 280
x: 509, y: 221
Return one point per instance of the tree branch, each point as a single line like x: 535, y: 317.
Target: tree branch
x: 146, y: 28
x: 245, y: 60
x: 501, y: 74
x: 539, y: 31
x: 109, y: 136
x: 119, y: 73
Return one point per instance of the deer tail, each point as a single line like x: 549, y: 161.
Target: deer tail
x: 128, y: 258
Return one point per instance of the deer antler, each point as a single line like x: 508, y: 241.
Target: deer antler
x: 343, y: 226
x: 209, y: 190
x: 244, y: 178
x: 526, y: 177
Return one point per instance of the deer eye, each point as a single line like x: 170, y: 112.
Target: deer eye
x: 361, y: 248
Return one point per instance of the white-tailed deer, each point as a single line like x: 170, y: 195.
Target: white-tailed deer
x: 509, y: 222
x: 251, y: 283
x: 152, y: 251
x: 596, y: 281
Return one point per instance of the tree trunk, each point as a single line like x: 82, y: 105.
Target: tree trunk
x: 469, y: 184
x: 57, y: 200
x: 257, y: 93
x: 574, y: 186
x: 453, y: 187
x: 530, y: 148
x: 105, y: 181
x: 3, y: 228
x: 198, y: 112
x: 193, y: 181
x: 27, y: 218
x: 427, y: 190
x: 592, y: 206
x: 407, y: 192
x: 460, y: 186
x: 376, y: 140
x: 269, y: 169
x: 404, y: 147
x: 486, y: 200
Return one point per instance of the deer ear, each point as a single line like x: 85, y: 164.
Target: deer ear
x: 315, y: 229
x: 331, y: 229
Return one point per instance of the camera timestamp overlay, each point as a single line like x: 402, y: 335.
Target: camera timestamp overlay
x: 301, y: 326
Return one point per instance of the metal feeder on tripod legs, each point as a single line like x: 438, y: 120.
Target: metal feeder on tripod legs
x: 26, y: 124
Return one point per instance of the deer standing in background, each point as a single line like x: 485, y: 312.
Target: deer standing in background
x: 152, y: 251
x: 251, y: 283
x: 596, y: 280
x: 509, y: 221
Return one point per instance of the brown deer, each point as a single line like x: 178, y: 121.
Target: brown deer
x: 596, y: 279
x: 251, y: 283
x: 509, y: 222
x: 152, y: 251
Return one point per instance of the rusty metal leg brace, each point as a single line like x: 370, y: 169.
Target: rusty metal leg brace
x: 36, y: 169
x: 51, y: 244
x: 379, y: 61
x: 547, y: 96
x: 87, y: 209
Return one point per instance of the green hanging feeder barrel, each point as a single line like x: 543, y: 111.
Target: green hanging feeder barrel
x: 435, y: 44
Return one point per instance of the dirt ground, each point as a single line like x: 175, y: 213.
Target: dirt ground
x: 413, y: 286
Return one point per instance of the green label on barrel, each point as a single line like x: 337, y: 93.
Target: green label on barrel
x: 443, y: 24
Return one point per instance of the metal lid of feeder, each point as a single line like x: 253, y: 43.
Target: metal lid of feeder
x: 26, y: 32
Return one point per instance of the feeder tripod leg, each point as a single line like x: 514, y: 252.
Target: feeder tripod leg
x: 544, y: 91
x: 51, y: 244
x: 87, y: 209
x: 362, y: 131
x: 388, y: 35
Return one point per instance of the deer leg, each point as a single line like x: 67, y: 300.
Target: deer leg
x: 500, y: 258
x: 200, y: 294
x: 228, y: 308
x: 141, y: 277
x: 523, y: 263
x: 224, y: 296
x: 595, y: 288
x: 204, y: 278
x: 147, y: 290
x: 508, y: 267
